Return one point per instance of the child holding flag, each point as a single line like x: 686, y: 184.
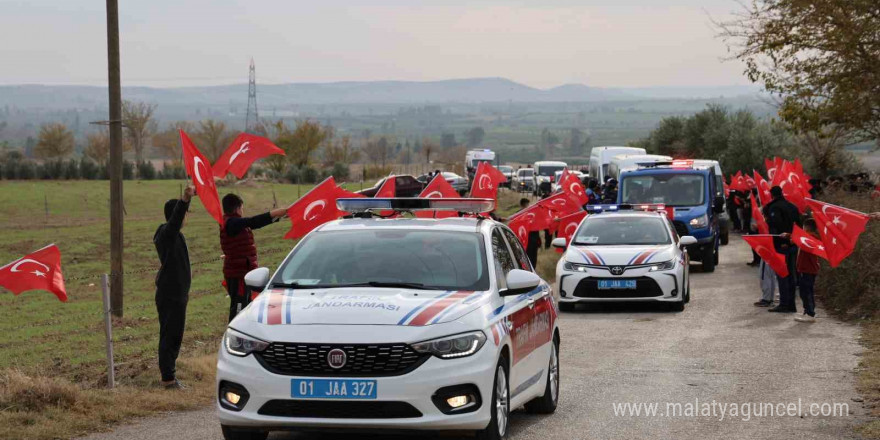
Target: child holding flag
x: 807, y: 268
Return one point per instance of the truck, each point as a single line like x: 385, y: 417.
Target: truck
x: 600, y: 157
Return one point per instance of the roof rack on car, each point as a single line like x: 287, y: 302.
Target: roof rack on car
x: 402, y: 204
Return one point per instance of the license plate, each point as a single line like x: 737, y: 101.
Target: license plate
x: 617, y: 284
x: 333, y: 389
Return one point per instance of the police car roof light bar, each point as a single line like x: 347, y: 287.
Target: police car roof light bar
x: 467, y: 206
x: 677, y: 163
x: 626, y: 207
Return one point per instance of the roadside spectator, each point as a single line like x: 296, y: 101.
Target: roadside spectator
x: 534, y: 238
x: 768, y: 285
x: 610, y: 194
x: 808, y: 269
x: 593, y: 192
x: 731, y: 210
x: 781, y: 217
x: 172, y: 285
x: 239, y: 249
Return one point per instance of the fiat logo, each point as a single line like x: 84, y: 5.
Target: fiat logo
x: 336, y: 358
x: 617, y: 270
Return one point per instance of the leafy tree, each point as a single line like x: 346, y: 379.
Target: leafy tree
x: 138, y: 125
x: 212, y: 137
x: 378, y: 151
x: 340, y: 151
x: 303, y: 141
x: 475, y: 137
x: 820, y: 57
x: 54, y: 141
x: 168, y: 141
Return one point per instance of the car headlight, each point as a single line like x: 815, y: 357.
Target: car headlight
x: 666, y: 265
x: 239, y: 344
x: 451, y: 347
x: 574, y: 267
x: 700, y: 222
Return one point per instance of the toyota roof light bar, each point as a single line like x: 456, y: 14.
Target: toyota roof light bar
x: 467, y: 206
x: 656, y: 207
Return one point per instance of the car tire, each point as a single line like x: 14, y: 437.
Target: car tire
x: 500, y: 409
x: 687, y: 289
x: 708, y: 260
x: 230, y: 433
x: 677, y: 306
x: 567, y: 307
x: 547, y: 403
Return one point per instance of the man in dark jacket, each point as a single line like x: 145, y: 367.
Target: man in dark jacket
x: 534, y: 238
x: 172, y: 285
x: 781, y: 217
x: 239, y: 250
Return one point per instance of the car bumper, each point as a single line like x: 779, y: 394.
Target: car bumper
x: 575, y: 287
x: 414, y: 388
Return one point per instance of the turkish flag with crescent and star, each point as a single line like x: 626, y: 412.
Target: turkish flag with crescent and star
x: 199, y: 169
x: 838, y: 227
x: 486, y: 180
x: 572, y: 185
x: 763, y: 246
x: 808, y: 243
x: 439, y: 188
x: 242, y: 153
x: 316, y: 207
x: 387, y: 190
x: 520, y: 227
x: 567, y: 225
x: 763, y: 188
x: 537, y: 217
x: 760, y: 221
x: 561, y: 204
x: 40, y: 270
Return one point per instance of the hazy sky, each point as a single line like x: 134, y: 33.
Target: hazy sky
x: 542, y: 43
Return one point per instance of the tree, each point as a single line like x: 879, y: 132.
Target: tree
x: 54, y: 141
x: 427, y: 148
x: 378, y: 151
x: 212, y: 138
x: 138, y: 125
x: 168, y: 141
x: 819, y: 57
x: 305, y: 139
x: 340, y: 151
x: 98, y: 146
x: 475, y: 137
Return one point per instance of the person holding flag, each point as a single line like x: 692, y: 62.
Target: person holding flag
x: 172, y: 285
x: 807, y: 266
x: 239, y: 249
x: 781, y: 217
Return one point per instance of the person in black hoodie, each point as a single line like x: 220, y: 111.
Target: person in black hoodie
x: 172, y: 285
x: 781, y: 216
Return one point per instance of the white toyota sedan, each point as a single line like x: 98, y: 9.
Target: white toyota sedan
x: 624, y: 254
x: 400, y: 324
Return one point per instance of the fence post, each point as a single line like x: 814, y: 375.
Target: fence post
x: 108, y: 331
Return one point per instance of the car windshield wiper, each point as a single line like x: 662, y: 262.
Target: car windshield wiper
x: 404, y: 285
x: 293, y: 285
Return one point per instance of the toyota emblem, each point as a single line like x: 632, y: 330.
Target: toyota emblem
x: 336, y: 358
x: 617, y: 270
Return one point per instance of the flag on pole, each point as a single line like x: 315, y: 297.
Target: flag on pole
x: 808, y: 243
x: 242, y: 153
x: 199, y: 169
x: 39, y: 270
x: 763, y: 246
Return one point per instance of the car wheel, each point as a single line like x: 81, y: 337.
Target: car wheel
x: 500, y: 409
x: 547, y: 403
x: 567, y: 307
x: 716, y: 256
x: 687, y: 291
x: 230, y: 433
x: 708, y: 260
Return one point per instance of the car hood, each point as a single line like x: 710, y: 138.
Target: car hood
x: 362, y: 306
x: 619, y: 255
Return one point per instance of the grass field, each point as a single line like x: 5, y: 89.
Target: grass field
x: 52, y: 358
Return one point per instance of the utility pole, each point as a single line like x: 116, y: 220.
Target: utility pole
x: 115, y: 164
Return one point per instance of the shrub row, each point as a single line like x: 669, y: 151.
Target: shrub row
x: 308, y: 174
x: 86, y: 169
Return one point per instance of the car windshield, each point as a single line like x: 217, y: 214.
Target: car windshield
x: 443, y: 260
x: 448, y: 175
x: 549, y: 170
x: 505, y: 169
x: 620, y: 230
x: 669, y: 189
x: 526, y: 173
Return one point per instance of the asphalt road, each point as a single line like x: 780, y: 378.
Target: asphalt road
x: 720, y: 348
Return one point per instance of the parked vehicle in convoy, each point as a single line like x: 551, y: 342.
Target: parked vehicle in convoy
x: 474, y: 157
x: 619, y: 253
x: 724, y: 217
x: 524, y: 180
x: 393, y: 324
x: 404, y: 186
x: 600, y: 158
x: 558, y: 175
x: 459, y: 183
x: 508, y: 172
x: 545, y: 172
x: 691, y: 193
x: 626, y: 162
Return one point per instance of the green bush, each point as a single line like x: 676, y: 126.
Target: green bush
x: 25, y: 170
x: 376, y: 172
x: 171, y: 171
x: 309, y: 174
x: 293, y: 175
x: 53, y: 170
x: 340, y: 172
x: 127, y: 170
x: 71, y: 170
x: 88, y: 169
x: 146, y: 170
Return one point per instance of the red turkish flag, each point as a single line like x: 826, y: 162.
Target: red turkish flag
x: 763, y: 246
x: 387, y: 190
x: 537, y: 217
x: 758, y: 215
x: 315, y: 208
x: 739, y: 183
x: 571, y: 185
x: 199, y: 169
x: 242, y: 153
x: 763, y: 188
x: 439, y: 188
x: 40, y: 270
x: 774, y: 170
x: 561, y: 204
x: 567, y: 225
x: 486, y: 180
x: 520, y: 227
x: 808, y: 243
x: 839, y: 228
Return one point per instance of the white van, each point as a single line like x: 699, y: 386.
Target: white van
x: 545, y: 172
x: 600, y: 157
x: 625, y: 162
x: 474, y: 157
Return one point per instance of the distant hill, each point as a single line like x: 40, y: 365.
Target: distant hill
x: 475, y: 90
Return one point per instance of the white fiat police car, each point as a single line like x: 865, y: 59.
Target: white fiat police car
x: 624, y: 253
x: 401, y: 324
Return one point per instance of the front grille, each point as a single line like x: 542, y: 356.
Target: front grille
x: 681, y: 228
x: 326, y: 409
x: 294, y: 359
x: 645, y: 288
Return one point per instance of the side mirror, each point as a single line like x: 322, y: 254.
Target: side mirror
x: 520, y: 281
x: 559, y: 242
x: 257, y: 279
x: 687, y: 240
x: 719, y: 205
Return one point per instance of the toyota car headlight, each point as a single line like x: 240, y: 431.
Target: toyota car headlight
x: 574, y: 267
x: 451, y: 347
x: 700, y: 222
x: 239, y: 344
x: 666, y: 265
